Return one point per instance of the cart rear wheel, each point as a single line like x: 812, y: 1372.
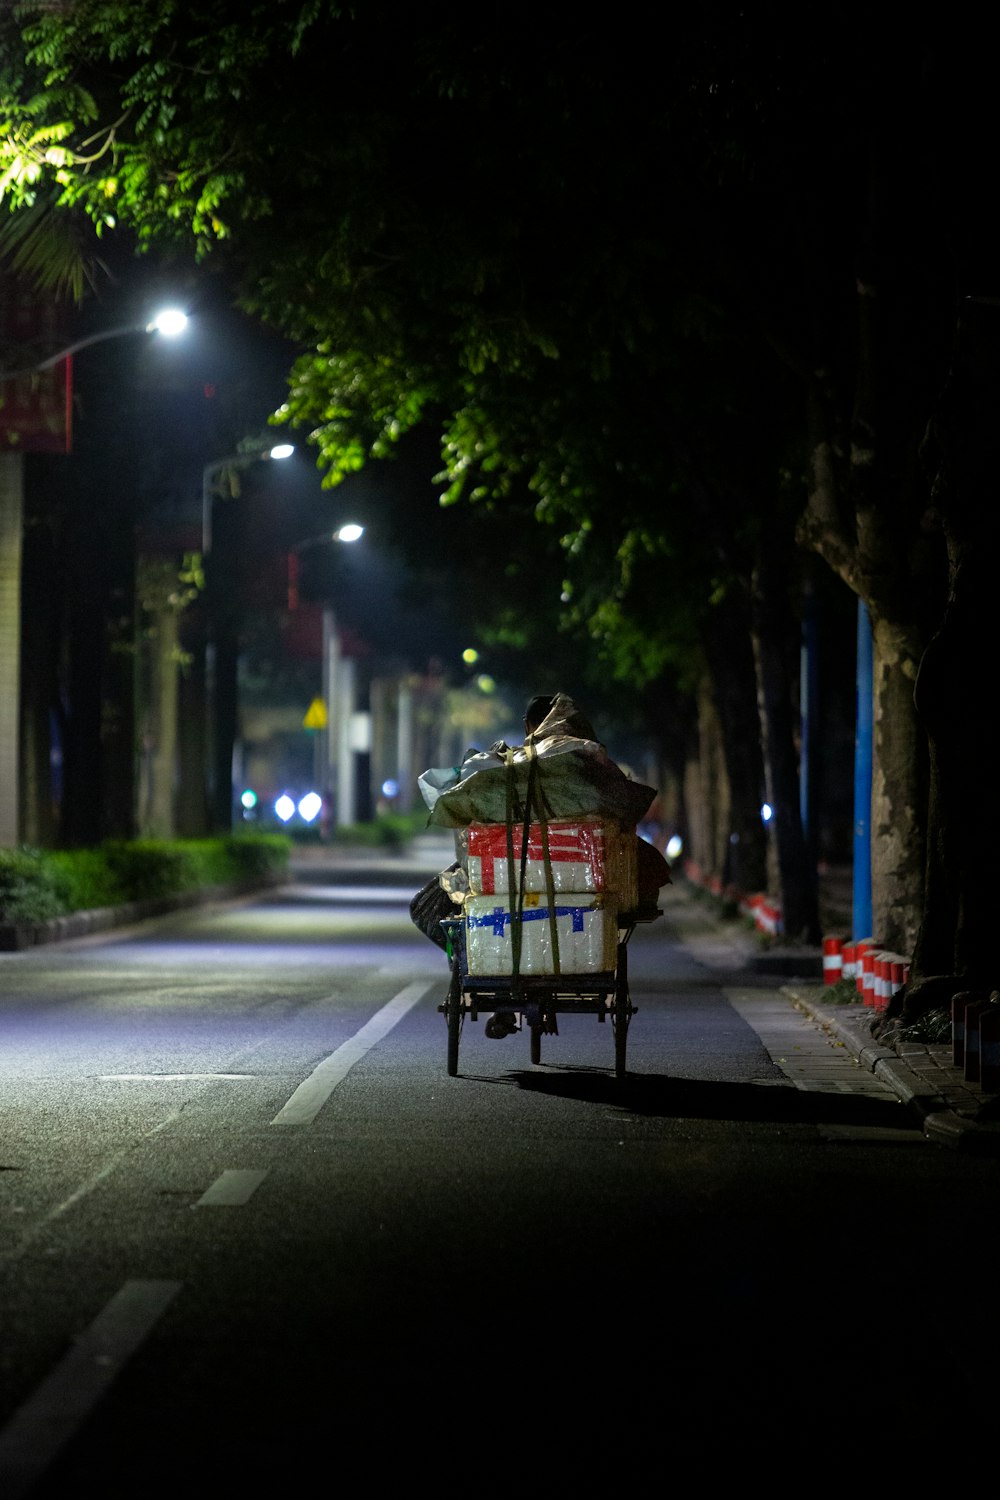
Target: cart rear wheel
x: 536, y: 1044
x: 454, y: 1017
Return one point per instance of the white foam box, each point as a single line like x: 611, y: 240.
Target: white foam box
x: 586, y: 932
x: 584, y: 855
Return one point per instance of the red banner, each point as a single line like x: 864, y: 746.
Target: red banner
x: 36, y: 406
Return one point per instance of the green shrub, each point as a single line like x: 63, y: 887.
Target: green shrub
x: 387, y: 831
x: 87, y: 878
x: 31, y: 889
x: 250, y: 856
x: 36, y: 885
x: 148, y: 869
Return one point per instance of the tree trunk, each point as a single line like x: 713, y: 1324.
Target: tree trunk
x: 899, y: 788
x: 158, y: 808
x: 956, y: 946
x: 742, y: 848
x: 775, y: 649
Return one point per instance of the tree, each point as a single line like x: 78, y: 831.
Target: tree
x: 585, y: 191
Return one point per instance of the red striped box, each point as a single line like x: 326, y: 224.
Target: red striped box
x: 584, y: 856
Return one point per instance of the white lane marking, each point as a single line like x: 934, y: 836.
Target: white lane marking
x: 231, y: 1188
x: 310, y: 1096
x: 42, y: 1427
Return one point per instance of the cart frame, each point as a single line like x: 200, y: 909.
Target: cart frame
x: 536, y: 999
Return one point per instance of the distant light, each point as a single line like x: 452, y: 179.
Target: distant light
x: 349, y: 532
x: 249, y: 798
x: 470, y: 656
x: 169, y: 322
x: 390, y: 788
x: 674, y: 846
x: 486, y: 684
x: 282, y: 450
x: 767, y: 812
x: 284, y: 807
x: 310, y: 805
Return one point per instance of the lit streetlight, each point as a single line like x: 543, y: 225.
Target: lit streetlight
x: 29, y: 361
x: 169, y: 322
x: 211, y: 472
x: 220, y: 642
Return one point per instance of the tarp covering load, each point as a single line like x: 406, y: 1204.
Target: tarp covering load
x: 557, y: 769
x: 547, y: 849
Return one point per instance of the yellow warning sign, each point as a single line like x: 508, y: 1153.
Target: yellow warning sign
x: 316, y: 717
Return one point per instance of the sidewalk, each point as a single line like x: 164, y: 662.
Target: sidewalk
x: 955, y: 1113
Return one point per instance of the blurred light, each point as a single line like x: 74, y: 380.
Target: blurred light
x: 470, y: 656
x: 767, y: 812
x: 310, y: 805
x: 284, y: 807
x: 349, y: 532
x: 249, y: 798
x: 674, y: 846
x: 169, y: 322
x: 486, y: 684
x: 390, y: 788
x: 282, y: 450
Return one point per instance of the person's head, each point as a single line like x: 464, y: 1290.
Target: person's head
x: 536, y: 711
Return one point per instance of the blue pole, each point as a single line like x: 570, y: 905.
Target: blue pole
x: 862, y: 914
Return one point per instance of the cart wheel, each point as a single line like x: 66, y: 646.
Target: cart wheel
x: 454, y: 1016
x: 621, y: 1012
x: 536, y: 1044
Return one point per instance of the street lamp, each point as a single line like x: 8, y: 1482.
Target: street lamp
x: 344, y: 731
x: 221, y: 644
x: 169, y: 322
x: 243, y: 460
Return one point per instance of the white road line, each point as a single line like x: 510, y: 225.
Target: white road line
x: 43, y: 1426
x: 231, y: 1188
x: 310, y: 1096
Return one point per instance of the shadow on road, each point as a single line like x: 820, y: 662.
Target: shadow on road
x: 663, y: 1096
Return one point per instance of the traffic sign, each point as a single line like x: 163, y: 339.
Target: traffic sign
x: 316, y: 717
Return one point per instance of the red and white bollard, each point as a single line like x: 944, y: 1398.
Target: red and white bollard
x: 868, y: 978
x: 861, y: 947
x: 833, y: 961
x: 848, y: 958
x: 880, y: 980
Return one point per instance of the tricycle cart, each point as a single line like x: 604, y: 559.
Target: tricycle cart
x: 533, y: 1001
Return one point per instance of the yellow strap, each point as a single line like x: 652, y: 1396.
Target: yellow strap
x: 550, y: 886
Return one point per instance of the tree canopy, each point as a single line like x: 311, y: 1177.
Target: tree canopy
x: 659, y: 294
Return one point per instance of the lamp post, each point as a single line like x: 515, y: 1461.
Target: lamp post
x: 11, y: 536
x: 169, y: 322
x: 221, y: 642
x: 236, y: 461
x: 341, y: 736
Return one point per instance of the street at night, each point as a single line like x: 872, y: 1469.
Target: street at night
x: 252, y: 1231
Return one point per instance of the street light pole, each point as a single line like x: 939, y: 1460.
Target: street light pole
x: 11, y: 530
x: 169, y: 322
x: 221, y: 647
x: 334, y: 766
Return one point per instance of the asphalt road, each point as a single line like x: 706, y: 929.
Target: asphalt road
x: 253, y: 1237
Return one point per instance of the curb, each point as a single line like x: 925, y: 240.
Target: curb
x: 17, y: 937
x: 917, y: 1080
